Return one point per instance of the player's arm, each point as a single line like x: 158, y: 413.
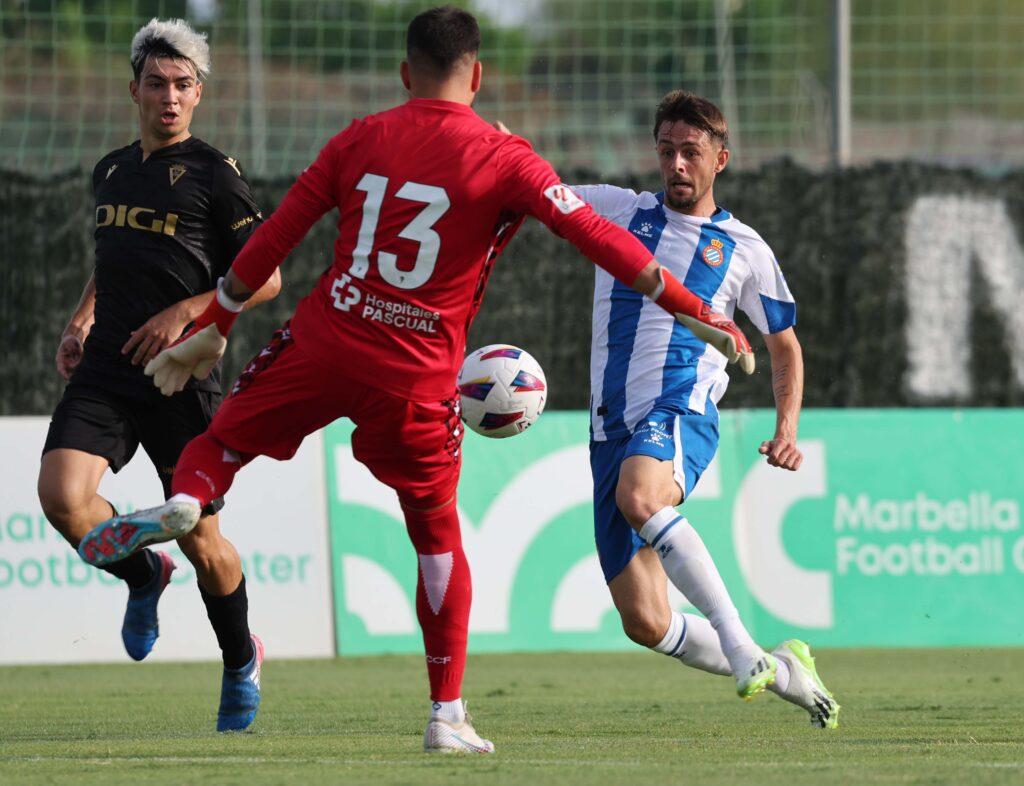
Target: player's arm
x: 72, y: 339
x: 534, y: 188
x: 198, y: 351
x: 788, y: 386
x: 766, y: 299
x: 161, y: 330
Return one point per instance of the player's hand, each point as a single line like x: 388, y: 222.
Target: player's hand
x: 501, y: 127
x: 69, y: 354
x: 193, y: 355
x: 782, y: 453
x: 157, y: 334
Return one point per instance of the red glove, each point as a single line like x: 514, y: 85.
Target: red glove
x: 709, y: 326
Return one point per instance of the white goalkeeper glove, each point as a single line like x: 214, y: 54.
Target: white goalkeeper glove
x: 198, y: 351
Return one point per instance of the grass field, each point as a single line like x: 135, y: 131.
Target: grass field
x: 951, y: 716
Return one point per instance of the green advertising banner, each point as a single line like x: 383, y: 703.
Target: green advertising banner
x: 902, y: 528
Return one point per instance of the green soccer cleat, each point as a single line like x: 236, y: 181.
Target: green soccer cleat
x: 805, y: 686
x: 756, y: 674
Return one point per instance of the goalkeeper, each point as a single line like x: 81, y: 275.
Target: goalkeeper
x: 171, y: 214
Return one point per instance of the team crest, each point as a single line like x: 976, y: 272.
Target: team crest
x: 176, y: 171
x: 713, y: 254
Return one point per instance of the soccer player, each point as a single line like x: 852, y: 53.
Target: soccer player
x: 654, y: 417
x: 171, y: 214
x: 428, y: 195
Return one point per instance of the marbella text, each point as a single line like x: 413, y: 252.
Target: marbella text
x: 972, y: 535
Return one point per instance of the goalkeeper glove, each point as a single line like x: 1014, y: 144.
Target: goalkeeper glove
x: 199, y: 349
x: 715, y: 329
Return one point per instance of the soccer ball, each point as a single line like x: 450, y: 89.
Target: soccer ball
x: 502, y: 390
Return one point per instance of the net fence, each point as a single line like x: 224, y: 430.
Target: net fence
x: 934, y: 80
x: 845, y: 240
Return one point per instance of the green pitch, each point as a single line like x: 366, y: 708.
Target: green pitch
x: 952, y: 716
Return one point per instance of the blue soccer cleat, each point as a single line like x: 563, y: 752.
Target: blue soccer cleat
x: 141, y: 628
x: 122, y: 536
x: 240, y: 693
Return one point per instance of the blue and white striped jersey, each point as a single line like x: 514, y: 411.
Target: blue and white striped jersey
x: 640, y: 356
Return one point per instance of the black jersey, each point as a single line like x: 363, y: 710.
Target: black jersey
x: 166, y: 229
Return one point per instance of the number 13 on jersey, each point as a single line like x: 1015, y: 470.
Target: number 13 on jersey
x: 436, y: 204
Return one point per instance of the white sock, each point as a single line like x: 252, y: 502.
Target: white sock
x: 185, y: 498
x: 781, y: 684
x: 691, y: 640
x: 690, y: 568
x: 451, y: 711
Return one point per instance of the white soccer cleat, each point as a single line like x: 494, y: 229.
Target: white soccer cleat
x: 806, y: 688
x: 444, y: 736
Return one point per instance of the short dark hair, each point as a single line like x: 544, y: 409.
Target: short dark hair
x: 438, y: 38
x: 694, y: 111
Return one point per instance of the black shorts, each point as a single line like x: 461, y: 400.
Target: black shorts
x: 101, y: 423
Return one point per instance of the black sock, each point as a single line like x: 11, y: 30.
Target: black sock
x: 136, y: 571
x: 229, y: 616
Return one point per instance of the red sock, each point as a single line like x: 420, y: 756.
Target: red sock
x: 206, y: 469
x: 443, y: 596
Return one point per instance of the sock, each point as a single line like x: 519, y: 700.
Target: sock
x: 782, y: 677
x: 206, y: 469
x: 691, y: 640
x: 136, y: 570
x: 443, y: 596
x: 186, y: 498
x: 229, y: 616
x: 451, y: 711
x: 690, y: 568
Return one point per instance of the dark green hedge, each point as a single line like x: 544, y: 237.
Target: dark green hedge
x: 838, y: 234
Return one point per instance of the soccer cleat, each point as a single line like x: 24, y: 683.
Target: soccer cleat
x: 240, y: 693
x: 805, y: 686
x: 444, y: 736
x: 122, y: 536
x: 141, y: 628
x: 756, y: 674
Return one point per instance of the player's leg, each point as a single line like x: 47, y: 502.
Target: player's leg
x: 280, y: 398
x: 661, y: 459
x: 635, y: 577
x: 173, y: 423
x: 90, y: 432
x: 415, y: 449
x: 223, y: 590
x: 641, y: 598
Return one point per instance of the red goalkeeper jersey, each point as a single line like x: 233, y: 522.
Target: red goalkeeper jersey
x: 428, y: 194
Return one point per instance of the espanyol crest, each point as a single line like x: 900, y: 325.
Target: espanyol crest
x: 713, y: 254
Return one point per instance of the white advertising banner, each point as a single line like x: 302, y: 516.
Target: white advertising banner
x: 56, y: 609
